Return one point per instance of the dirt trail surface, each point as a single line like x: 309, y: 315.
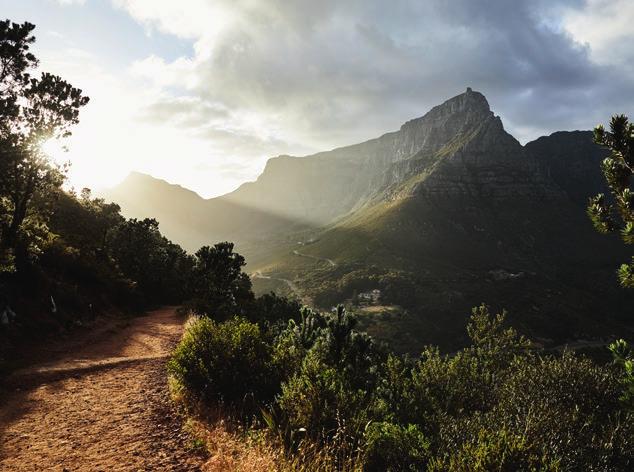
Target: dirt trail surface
x: 105, y: 407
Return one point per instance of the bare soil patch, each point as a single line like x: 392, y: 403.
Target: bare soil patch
x: 103, y: 407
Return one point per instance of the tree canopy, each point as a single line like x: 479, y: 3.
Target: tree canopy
x: 33, y: 110
x: 616, y: 214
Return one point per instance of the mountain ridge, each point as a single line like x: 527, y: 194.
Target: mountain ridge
x: 427, y: 214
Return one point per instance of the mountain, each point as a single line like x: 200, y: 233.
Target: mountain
x: 573, y: 161
x: 446, y: 212
x: 193, y: 221
x: 178, y: 210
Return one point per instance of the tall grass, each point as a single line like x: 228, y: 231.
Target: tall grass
x: 231, y: 446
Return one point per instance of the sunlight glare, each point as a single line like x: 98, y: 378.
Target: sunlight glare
x: 56, y: 150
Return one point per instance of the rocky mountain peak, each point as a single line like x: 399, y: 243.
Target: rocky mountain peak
x: 458, y: 116
x: 468, y: 102
x: 468, y: 107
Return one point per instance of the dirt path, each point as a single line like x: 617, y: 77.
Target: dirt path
x: 105, y: 408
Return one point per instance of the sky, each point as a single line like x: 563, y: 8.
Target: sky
x: 202, y: 92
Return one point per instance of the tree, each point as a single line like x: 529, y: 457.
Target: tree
x: 32, y: 111
x: 271, y: 309
x: 105, y: 217
x: 220, y: 288
x: 159, y: 267
x: 85, y: 223
x: 617, y: 214
x: 133, y: 246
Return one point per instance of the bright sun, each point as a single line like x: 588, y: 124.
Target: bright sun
x: 56, y: 150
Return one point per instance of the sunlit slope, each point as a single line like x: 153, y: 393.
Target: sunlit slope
x: 192, y: 221
x: 298, y: 193
x: 481, y: 219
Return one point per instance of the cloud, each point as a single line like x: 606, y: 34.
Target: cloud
x: 329, y: 73
x: 605, y: 26
x: 71, y: 2
x: 270, y: 77
x: 178, y: 73
x: 190, y: 19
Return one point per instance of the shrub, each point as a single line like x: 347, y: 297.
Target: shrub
x: 227, y: 362
x: 624, y: 358
x: 492, y: 450
x: 391, y: 447
x: 455, y: 386
x: 568, y: 408
x: 552, y: 413
x: 320, y: 401
x: 342, y: 401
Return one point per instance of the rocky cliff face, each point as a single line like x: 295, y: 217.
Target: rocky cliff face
x: 572, y: 161
x: 461, y: 144
x: 490, y: 164
x: 458, y: 151
x: 458, y: 116
x: 461, y: 150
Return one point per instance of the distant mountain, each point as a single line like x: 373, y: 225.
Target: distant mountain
x: 178, y: 210
x: 193, y: 221
x: 443, y: 214
x: 573, y: 162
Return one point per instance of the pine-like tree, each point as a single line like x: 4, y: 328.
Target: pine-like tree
x: 617, y: 214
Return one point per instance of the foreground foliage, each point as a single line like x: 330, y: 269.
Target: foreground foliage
x: 617, y: 214
x: 495, y: 405
x: 64, y: 257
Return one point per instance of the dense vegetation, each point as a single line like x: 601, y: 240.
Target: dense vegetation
x: 333, y: 398
x: 318, y: 384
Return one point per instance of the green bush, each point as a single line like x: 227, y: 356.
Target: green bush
x: 226, y: 362
x: 568, y: 409
x: 489, y: 450
x: 329, y: 390
x: 391, y: 447
x: 438, y: 387
x: 551, y: 413
x: 494, y: 405
x: 624, y: 359
x: 320, y: 401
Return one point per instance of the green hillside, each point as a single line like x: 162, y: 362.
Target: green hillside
x: 436, y: 255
